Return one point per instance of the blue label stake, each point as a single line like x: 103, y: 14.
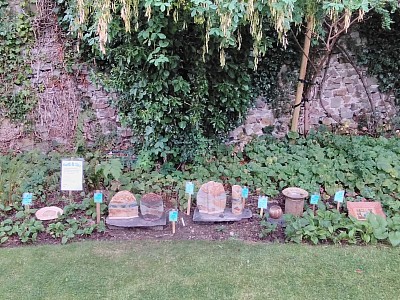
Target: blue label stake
x: 98, y: 197
x: 173, y: 217
x: 262, y: 202
x: 314, y: 199
x: 339, y: 196
x: 189, y: 189
x: 27, y: 198
x: 245, y: 192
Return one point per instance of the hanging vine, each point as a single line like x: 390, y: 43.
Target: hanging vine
x: 17, y: 97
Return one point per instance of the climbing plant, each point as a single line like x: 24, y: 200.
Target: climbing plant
x: 181, y: 67
x: 379, y: 53
x: 177, y: 100
x: 277, y: 72
x: 16, y: 36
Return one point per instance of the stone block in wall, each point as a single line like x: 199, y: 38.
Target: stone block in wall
x: 327, y: 93
x: 347, y: 99
x: 336, y: 102
x: 108, y: 113
x: 260, y: 103
x: 257, y: 129
x: 350, y: 88
x: 100, y: 105
x: 251, y: 119
x: 337, y: 81
x: 346, y: 113
x: 340, y: 92
x: 332, y: 85
x: 125, y: 132
x: 352, y: 72
x: 248, y: 129
x: 347, y: 80
x: 376, y: 96
x: 237, y: 133
x: 327, y: 121
x: 332, y: 73
x: 267, y: 121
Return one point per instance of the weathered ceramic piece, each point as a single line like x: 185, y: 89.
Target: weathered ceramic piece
x: 294, y: 203
x: 123, y: 206
x: 237, y: 206
x: 275, y: 212
x: 48, y: 213
x: 211, y: 198
x: 236, y: 192
x: 151, y: 206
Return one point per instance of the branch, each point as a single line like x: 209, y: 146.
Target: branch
x: 342, y: 29
x: 302, y: 50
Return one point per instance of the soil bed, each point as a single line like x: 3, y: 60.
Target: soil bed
x: 246, y: 229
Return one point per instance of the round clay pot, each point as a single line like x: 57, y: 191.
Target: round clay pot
x: 294, y: 203
x: 275, y: 212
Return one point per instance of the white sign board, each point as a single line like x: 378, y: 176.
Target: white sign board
x: 72, y: 174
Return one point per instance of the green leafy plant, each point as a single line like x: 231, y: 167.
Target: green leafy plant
x: 17, y: 97
x: 268, y: 228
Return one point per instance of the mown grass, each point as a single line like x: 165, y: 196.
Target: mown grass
x: 198, y: 270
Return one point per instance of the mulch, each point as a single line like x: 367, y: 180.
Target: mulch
x: 246, y: 230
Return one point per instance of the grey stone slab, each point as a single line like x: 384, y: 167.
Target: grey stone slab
x: 136, y: 222
x: 279, y: 221
x: 226, y: 216
x: 153, y: 228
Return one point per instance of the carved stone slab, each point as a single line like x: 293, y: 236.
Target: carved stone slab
x: 123, y: 206
x: 236, y: 192
x: 151, y: 206
x: 237, y: 206
x: 225, y: 216
x: 136, y: 222
x: 211, y: 198
x: 360, y: 210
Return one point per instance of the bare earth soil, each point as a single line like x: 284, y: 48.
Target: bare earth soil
x: 246, y: 230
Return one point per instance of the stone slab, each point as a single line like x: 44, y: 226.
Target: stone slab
x: 280, y: 221
x: 360, y: 210
x: 226, y: 216
x: 154, y: 228
x: 137, y: 222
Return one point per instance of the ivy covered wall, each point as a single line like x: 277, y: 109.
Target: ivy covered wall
x: 47, y: 100
x: 52, y: 101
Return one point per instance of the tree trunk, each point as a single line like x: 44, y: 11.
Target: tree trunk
x: 303, y: 69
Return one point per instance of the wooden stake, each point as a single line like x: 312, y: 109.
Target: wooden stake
x: 98, y: 213
x: 173, y: 227
x: 189, y: 204
x: 70, y: 196
x: 302, y: 75
x: 313, y: 209
x: 338, y: 206
x: 261, y: 212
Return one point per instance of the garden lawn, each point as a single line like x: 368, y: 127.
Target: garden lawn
x: 198, y: 270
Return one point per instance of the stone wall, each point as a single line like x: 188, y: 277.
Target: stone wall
x: 348, y: 98
x: 70, y: 106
